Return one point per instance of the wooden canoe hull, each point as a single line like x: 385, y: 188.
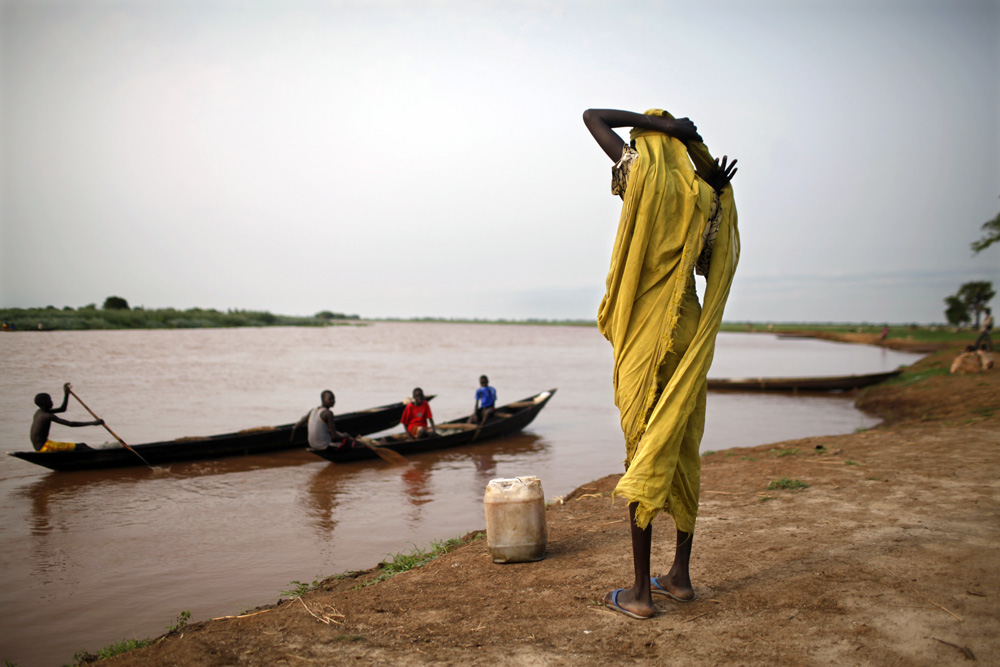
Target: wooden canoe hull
x: 458, y: 432
x: 830, y: 383
x: 240, y: 443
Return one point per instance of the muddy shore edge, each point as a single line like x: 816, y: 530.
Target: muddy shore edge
x: 885, y: 554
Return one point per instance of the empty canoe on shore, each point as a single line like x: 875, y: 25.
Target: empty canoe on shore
x: 828, y: 383
x: 507, y: 420
x: 241, y: 443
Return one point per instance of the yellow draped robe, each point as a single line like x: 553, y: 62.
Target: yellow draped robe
x: 663, y: 345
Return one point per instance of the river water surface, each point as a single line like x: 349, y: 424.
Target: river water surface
x: 90, y: 558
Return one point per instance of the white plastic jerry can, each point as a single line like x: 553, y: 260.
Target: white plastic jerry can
x: 515, y: 520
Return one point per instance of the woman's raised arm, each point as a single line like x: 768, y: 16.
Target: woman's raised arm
x: 601, y: 121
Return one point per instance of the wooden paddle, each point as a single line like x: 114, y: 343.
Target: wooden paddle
x: 109, y: 428
x: 387, y: 455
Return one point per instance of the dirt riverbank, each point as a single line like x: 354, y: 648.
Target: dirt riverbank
x: 888, y: 557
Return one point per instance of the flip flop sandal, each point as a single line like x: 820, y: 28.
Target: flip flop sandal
x: 656, y: 589
x: 613, y: 604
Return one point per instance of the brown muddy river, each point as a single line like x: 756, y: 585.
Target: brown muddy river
x: 90, y: 558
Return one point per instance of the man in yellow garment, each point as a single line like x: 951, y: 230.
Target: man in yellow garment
x: 677, y: 218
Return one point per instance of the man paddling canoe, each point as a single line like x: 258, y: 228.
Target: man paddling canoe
x: 44, y: 417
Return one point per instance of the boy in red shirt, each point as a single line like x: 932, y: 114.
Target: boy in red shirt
x: 416, y: 416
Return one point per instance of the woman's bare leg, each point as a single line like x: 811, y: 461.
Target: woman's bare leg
x: 678, y: 579
x: 638, y: 598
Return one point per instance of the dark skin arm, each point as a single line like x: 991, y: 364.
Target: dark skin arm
x: 62, y: 408
x: 42, y: 423
x: 601, y: 122
x: 327, y: 417
x: 296, y: 425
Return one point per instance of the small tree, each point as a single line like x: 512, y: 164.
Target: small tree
x: 991, y: 236
x: 956, y: 312
x: 975, y: 296
x: 115, y: 303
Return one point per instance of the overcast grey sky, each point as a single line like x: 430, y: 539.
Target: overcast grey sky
x: 407, y: 158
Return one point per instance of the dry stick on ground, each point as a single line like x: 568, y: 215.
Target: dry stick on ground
x: 966, y: 651
x: 219, y: 618
x: 325, y: 619
x: 907, y: 584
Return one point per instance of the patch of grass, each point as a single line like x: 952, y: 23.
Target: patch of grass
x: 748, y: 458
x: 785, y: 483
x: 764, y: 499
x: 985, y: 411
x: 110, y: 651
x: 182, y: 620
x: 708, y: 453
x: 849, y: 462
x: 300, y: 588
x: 404, y: 562
x: 790, y: 451
x: 915, y: 377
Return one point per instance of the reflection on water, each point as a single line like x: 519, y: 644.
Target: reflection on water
x: 418, y: 479
x: 109, y: 554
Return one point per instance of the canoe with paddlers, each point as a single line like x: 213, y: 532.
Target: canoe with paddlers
x: 241, y: 443
x: 507, y: 420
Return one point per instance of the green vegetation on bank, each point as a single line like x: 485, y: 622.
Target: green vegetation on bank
x: 917, y: 332
x: 404, y: 562
x: 88, y: 317
x: 116, y: 314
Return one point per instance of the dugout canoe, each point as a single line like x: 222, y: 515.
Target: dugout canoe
x: 241, y: 443
x: 827, y: 383
x: 507, y: 420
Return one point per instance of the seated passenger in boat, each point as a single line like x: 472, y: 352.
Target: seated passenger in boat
x: 417, y: 415
x: 486, y: 401
x: 323, y: 432
x: 45, y: 415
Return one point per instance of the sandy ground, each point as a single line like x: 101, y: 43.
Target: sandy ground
x: 888, y: 557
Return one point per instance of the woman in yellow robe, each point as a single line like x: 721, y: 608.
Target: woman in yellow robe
x: 677, y: 217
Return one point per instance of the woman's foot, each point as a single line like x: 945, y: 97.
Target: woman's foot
x: 623, y: 600
x: 664, y: 586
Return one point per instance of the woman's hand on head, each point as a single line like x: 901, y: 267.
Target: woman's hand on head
x: 722, y: 174
x: 683, y: 129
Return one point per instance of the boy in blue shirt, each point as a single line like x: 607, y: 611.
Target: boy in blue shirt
x: 486, y: 399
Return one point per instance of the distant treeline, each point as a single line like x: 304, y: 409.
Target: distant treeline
x: 911, y: 331
x: 481, y: 320
x: 51, y: 318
